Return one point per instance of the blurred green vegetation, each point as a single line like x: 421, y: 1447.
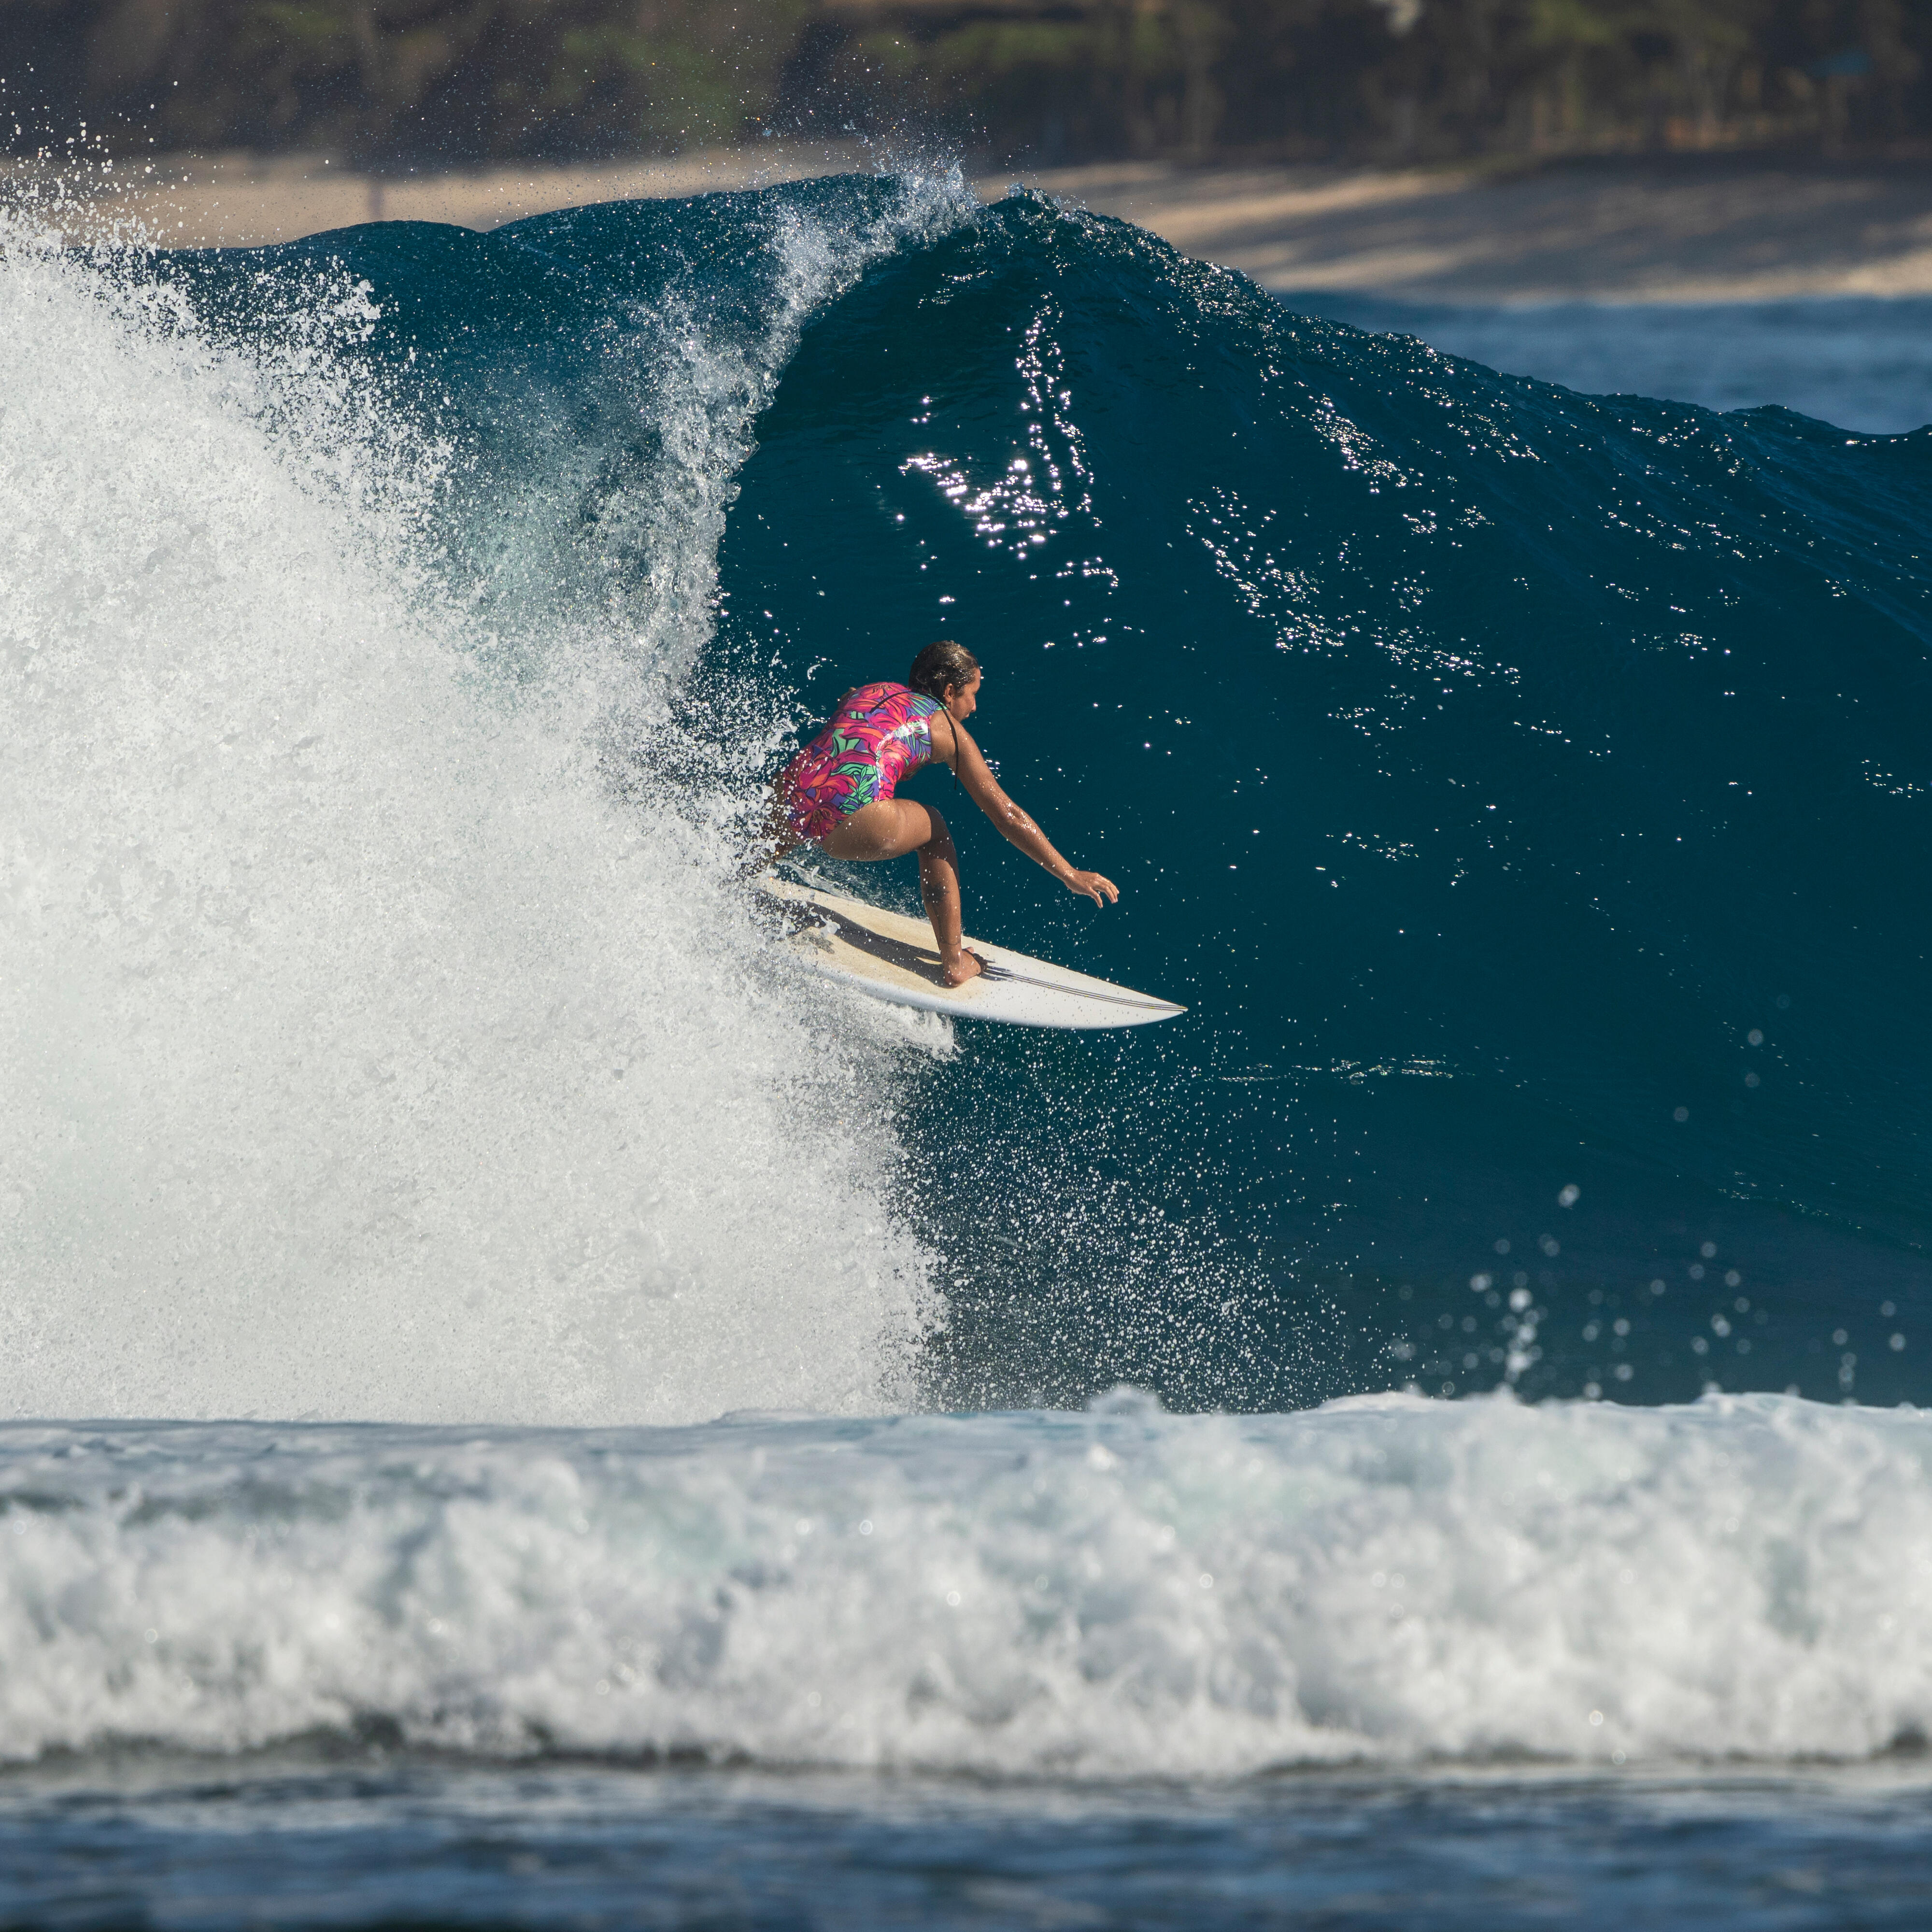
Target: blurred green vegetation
x: 392, y: 79
x: 1041, y: 80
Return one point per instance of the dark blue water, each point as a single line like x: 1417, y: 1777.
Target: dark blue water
x: 1516, y: 785
x: 370, y: 1840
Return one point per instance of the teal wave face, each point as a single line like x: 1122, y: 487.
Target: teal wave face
x: 1526, y: 792
x: 1523, y: 789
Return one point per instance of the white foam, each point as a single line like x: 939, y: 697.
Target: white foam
x: 362, y: 1055
x: 1120, y: 1593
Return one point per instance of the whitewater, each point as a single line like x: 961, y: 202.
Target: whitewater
x: 366, y: 1057
x: 463, y: 1297
x: 1113, y: 1593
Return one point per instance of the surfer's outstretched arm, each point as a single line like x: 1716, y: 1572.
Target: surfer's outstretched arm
x: 985, y: 791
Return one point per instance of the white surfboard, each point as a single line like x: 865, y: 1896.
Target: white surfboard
x: 894, y: 958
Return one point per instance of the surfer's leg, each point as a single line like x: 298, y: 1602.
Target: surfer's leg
x: 939, y: 887
x: 888, y: 828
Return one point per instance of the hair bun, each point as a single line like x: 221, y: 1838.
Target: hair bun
x: 942, y: 668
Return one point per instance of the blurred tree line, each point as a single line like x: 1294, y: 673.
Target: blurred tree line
x: 381, y: 80
x: 1045, y: 80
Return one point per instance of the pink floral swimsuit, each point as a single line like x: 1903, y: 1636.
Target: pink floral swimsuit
x: 880, y: 733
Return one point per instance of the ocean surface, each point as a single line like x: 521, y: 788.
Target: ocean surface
x: 517, y: 1408
x: 1861, y: 362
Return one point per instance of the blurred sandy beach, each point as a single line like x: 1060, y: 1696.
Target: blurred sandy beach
x: 242, y: 200
x: 1697, y: 228
x: 1677, y: 228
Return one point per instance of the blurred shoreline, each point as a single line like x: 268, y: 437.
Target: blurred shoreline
x: 1670, y: 228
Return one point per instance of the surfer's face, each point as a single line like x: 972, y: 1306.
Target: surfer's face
x: 963, y: 699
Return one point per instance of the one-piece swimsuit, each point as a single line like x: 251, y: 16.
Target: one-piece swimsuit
x: 880, y: 733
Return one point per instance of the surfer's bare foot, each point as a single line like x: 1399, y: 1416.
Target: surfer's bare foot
x: 957, y: 972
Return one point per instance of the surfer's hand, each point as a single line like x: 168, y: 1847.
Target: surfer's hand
x: 1093, y: 885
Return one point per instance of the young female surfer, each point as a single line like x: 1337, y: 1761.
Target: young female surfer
x: 838, y: 792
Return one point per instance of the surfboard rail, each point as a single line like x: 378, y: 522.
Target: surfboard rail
x: 889, y: 956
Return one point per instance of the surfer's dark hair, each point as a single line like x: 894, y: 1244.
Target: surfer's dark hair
x: 942, y: 668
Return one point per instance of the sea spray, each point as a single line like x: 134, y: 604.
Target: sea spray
x: 368, y: 1052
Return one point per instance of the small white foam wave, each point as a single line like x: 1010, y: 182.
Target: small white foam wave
x: 1119, y: 1593
x: 362, y: 1055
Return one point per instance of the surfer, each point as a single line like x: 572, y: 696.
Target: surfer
x: 838, y: 792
